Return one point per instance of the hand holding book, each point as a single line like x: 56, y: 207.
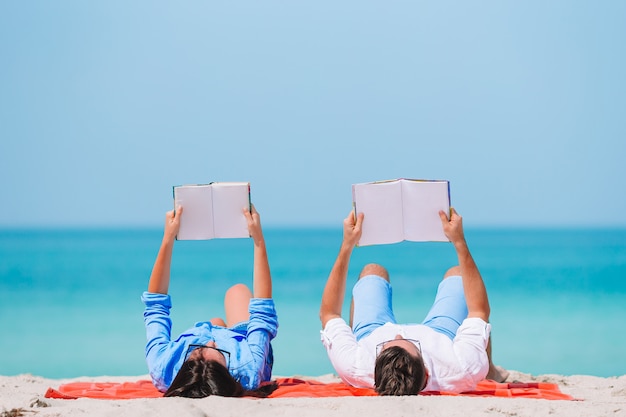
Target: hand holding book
x: 452, y: 227
x: 254, y: 225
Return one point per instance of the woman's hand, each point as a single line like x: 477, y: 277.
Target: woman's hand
x: 254, y: 225
x: 172, y: 223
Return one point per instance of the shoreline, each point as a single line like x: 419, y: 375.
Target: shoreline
x: 23, y: 395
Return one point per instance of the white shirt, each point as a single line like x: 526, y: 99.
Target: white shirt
x: 453, y: 365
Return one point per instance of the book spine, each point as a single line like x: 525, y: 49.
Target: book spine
x: 174, y: 203
x: 249, y: 199
x: 449, y: 201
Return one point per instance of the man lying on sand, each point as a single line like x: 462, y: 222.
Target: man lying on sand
x: 449, y: 351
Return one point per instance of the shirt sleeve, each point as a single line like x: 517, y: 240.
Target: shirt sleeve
x: 342, y: 348
x: 262, y: 328
x: 470, y: 347
x: 158, y: 324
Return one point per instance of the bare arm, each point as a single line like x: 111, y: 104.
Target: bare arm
x: 262, y: 278
x: 160, y: 277
x: 474, y: 287
x: 335, y: 289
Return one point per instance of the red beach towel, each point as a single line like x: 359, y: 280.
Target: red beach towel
x: 105, y: 390
x: 294, y: 387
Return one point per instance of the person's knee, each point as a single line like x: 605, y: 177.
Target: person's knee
x: 218, y: 321
x: 236, y: 302
x: 453, y: 272
x: 374, y: 269
x: 238, y: 291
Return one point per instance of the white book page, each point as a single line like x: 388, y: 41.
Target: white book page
x: 229, y: 200
x: 422, y: 201
x: 382, y: 206
x: 196, y: 222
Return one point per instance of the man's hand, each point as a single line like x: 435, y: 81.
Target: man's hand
x: 453, y: 228
x: 352, y: 229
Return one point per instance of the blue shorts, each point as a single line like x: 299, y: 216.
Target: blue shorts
x: 372, y: 306
x: 371, y: 297
x: 241, y: 328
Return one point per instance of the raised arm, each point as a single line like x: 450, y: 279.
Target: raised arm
x: 473, y: 285
x: 262, y: 279
x: 160, y: 277
x: 335, y: 289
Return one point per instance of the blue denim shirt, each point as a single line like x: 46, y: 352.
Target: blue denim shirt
x: 250, y: 354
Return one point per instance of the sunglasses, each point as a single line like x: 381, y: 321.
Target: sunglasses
x: 193, y: 347
x: 381, y: 346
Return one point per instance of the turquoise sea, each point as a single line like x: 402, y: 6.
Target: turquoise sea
x: 70, y: 299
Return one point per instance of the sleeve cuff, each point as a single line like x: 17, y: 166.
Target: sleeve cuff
x: 152, y: 298
x: 475, y: 329
x: 263, y: 316
x: 334, y: 328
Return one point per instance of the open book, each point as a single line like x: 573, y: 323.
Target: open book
x: 213, y: 210
x: 402, y: 209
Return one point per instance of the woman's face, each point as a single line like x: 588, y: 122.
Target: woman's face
x: 209, y: 353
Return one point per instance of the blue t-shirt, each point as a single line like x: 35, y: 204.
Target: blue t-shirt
x: 250, y: 353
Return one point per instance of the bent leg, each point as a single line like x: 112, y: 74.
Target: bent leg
x: 369, y: 269
x: 371, y: 301
x: 449, y: 308
x: 374, y: 269
x: 455, y: 271
x: 236, y: 302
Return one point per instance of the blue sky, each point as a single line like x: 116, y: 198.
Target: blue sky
x: 105, y: 105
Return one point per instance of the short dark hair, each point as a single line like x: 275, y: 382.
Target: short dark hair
x: 199, y: 378
x: 398, y: 372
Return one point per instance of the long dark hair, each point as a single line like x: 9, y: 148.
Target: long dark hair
x: 199, y: 378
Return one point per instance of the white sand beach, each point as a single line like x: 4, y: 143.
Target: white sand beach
x: 23, y: 395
